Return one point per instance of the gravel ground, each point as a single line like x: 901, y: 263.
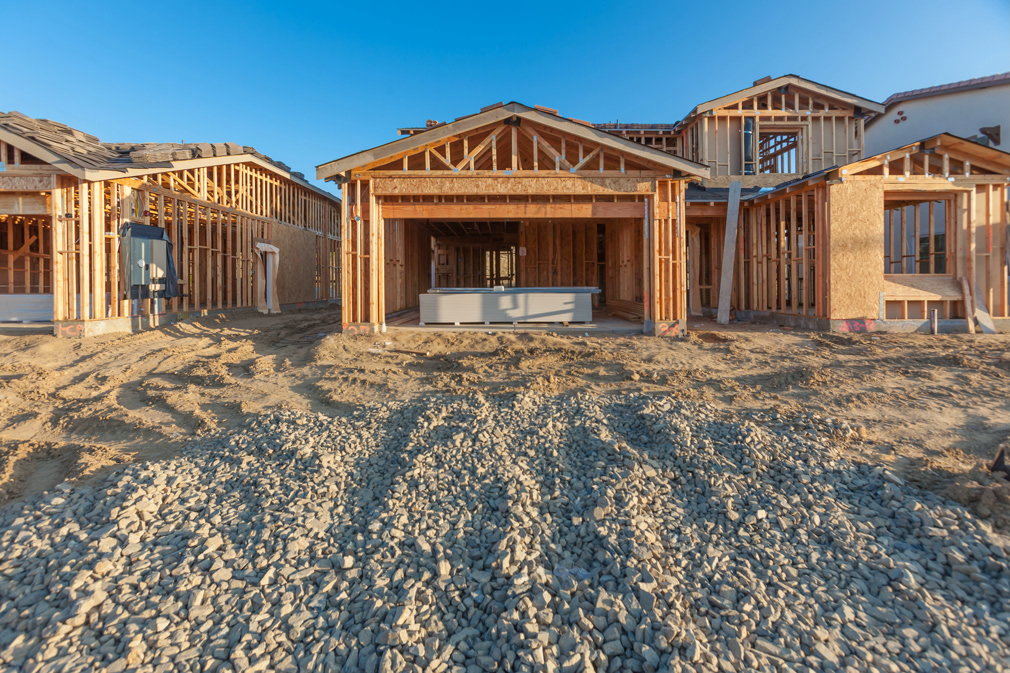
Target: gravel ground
x: 525, y: 532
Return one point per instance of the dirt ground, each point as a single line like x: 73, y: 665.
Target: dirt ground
x: 931, y: 408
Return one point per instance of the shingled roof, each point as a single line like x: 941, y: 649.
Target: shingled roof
x: 964, y: 85
x: 91, y: 154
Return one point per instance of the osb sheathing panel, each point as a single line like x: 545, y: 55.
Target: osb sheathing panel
x: 856, y: 248
x: 296, y: 273
x: 513, y: 185
x: 749, y: 181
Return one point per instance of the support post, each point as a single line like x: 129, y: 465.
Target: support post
x: 729, y: 252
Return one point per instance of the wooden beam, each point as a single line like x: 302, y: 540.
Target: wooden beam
x: 515, y: 149
x: 500, y: 211
x: 969, y: 310
x: 729, y: 252
x: 586, y: 159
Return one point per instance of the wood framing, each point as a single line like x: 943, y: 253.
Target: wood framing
x: 514, y: 196
x: 890, y: 237
x: 775, y: 131
x: 65, y: 198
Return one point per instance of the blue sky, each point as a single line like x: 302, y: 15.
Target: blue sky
x: 309, y: 82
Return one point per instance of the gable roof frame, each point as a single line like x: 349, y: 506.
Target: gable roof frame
x: 438, y: 135
x: 784, y: 80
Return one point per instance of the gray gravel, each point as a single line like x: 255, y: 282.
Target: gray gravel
x: 522, y: 533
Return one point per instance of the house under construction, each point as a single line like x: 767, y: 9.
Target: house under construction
x: 69, y: 203
x: 759, y: 202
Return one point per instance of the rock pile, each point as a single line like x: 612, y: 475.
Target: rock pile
x: 521, y: 533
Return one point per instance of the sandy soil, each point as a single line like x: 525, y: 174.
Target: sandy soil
x: 933, y: 409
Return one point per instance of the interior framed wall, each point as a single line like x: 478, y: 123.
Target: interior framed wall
x: 26, y: 254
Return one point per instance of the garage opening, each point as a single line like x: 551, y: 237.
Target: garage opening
x: 508, y: 271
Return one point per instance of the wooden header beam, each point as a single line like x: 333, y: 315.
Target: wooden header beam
x: 510, y: 211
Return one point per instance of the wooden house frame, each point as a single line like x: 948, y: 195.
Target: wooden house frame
x: 515, y: 177
x: 875, y: 244
x: 64, y: 197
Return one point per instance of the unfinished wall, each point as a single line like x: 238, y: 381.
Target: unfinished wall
x: 558, y: 254
x: 856, y: 248
x: 408, y: 263
x: 825, y: 132
x: 211, y: 242
x: 296, y: 273
x: 990, y: 268
x: 25, y: 254
x: 624, y: 251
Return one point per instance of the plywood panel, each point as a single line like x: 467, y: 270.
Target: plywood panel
x: 856, y: 249
x: 911, y: 286
x: 457, y: 185
x: 296, y: 274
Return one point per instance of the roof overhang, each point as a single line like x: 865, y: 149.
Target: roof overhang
x: 437, y: 135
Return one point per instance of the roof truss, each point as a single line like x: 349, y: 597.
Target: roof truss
x: 513, y: 139
x: 785, y: 93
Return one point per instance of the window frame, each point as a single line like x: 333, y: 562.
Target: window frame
x: 900, y: 201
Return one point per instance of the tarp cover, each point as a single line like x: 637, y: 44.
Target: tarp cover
x: 155, y: 234
x: 267, y: 261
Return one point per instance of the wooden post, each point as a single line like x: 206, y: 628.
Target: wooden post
x: 373, y: 258
x: 695, y: 276
x: 183, y: 269
x: 84, y: 258
x: 115, y: 221
x: 728, y: 252
x: 346, y: 297
x: 969, y: 310
x: 56, y: 211
x: 380, y: 270
x: 648, y: 286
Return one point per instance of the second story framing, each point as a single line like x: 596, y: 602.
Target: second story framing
x: 775, y: 131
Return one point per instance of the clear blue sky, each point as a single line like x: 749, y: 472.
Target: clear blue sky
x: 309, y: 82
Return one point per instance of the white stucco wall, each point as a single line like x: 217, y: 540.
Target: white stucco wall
x: 962, y: 113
